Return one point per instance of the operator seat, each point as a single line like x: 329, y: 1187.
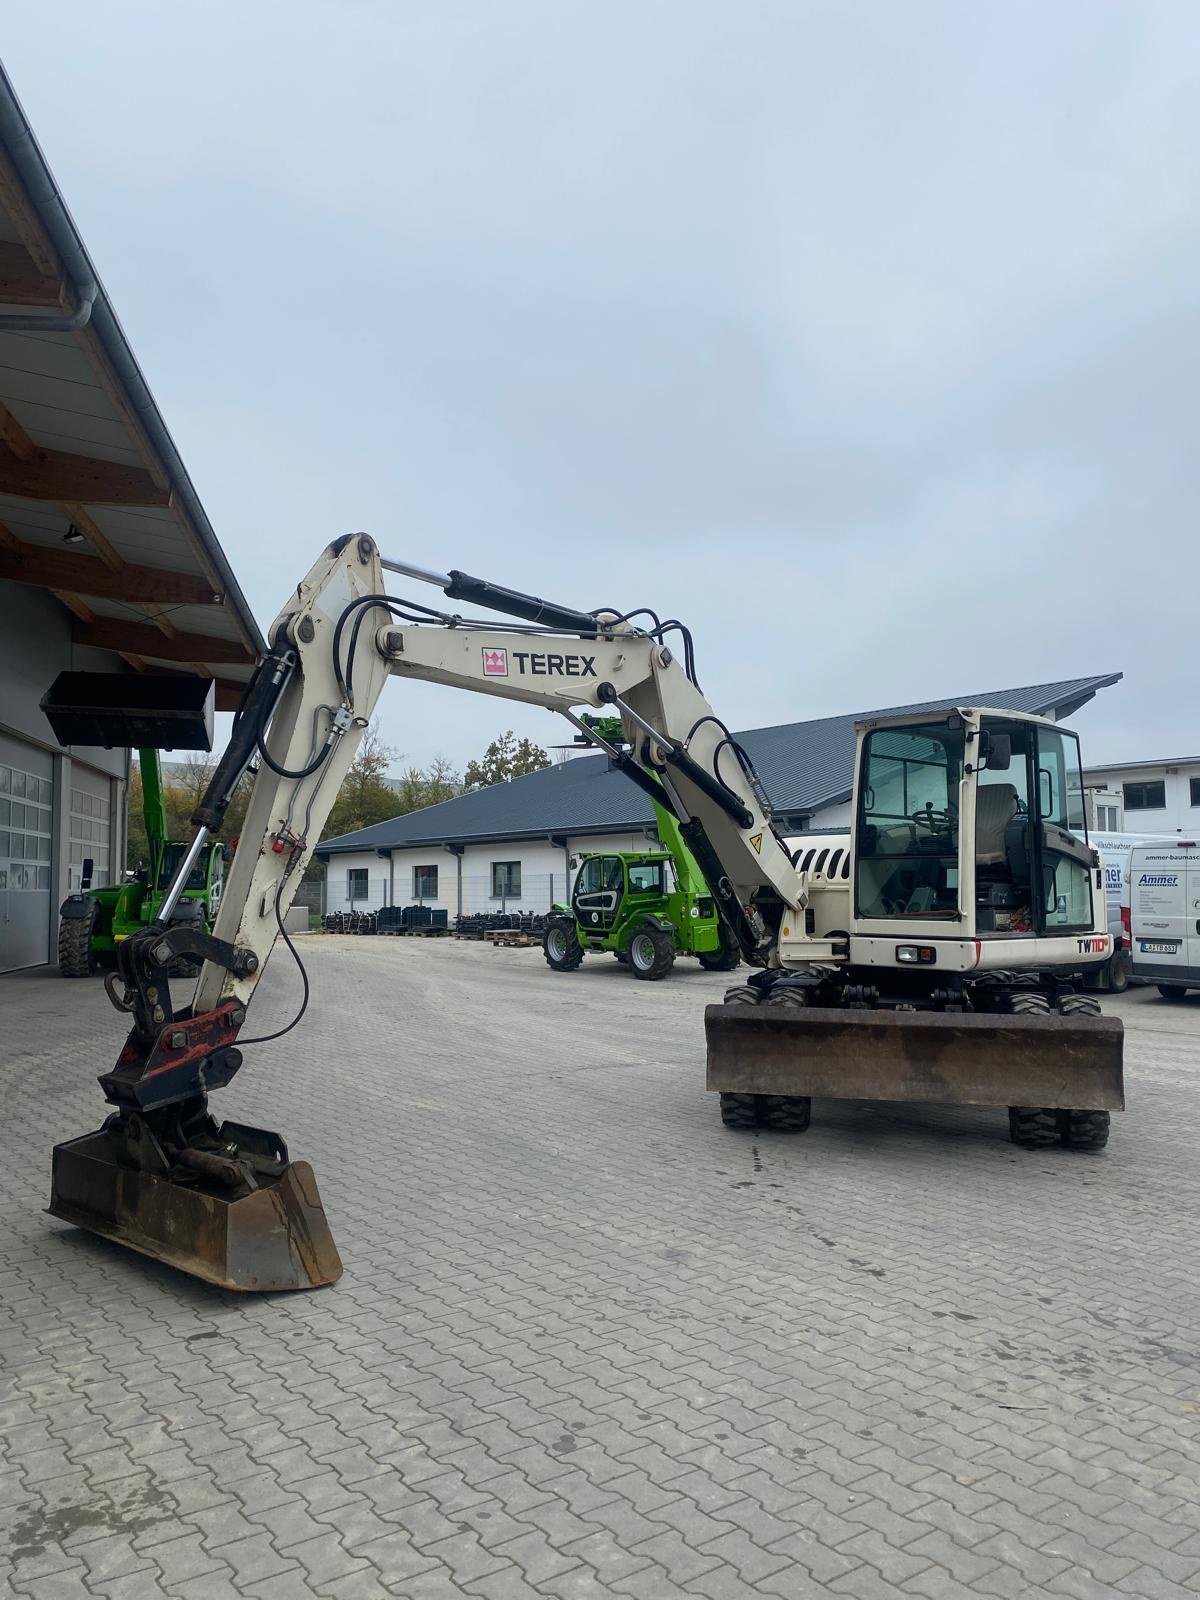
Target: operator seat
x: 995, y: 807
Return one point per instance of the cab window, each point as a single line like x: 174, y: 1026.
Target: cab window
x: 908, y: 821
x: 646, y: 877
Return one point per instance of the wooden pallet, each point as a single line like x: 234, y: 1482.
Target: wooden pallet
x: 512, y: 937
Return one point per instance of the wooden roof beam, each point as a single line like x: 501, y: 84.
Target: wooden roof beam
x: 108, y: 633
x: 22, y: 282
x: 46, y: 567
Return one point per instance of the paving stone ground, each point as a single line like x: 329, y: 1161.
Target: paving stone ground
x: 588, y: 1343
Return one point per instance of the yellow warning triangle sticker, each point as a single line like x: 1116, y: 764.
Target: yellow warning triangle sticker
x: 756, y: 842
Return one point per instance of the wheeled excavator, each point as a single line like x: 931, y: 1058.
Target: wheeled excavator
x: 930, y: 955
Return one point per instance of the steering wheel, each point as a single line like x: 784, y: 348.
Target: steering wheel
x: 931, y: 819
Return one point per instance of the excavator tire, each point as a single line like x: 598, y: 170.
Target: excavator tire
x: 1083, y: 1130
x: 561, y: 947
x: 727, y: 959
x: 1032, y: 1127
x: 1035, y: 1127
x: 1078, y: 1005
x: 76, y: 957
x: 786, y: 1113
x: 740, y: 1111
x: 651, y: 953
x: 743, y: 995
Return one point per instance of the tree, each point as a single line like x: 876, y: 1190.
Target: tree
x: 417, y: 789
x: 183, y: 790
x: 506, y: 757
x: 365, y: 797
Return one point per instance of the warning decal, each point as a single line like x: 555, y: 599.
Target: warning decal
x: 756, y: 842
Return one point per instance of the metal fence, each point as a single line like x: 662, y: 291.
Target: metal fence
x: 535, y: 892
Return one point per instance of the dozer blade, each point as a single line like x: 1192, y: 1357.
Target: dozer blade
x: 940, y: 1057
x: 275, y: 1237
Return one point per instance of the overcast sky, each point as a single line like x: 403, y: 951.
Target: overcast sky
x: 863, y: 337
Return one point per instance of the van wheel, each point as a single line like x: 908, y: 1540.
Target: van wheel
x: 1119, y: 969
x: 651, y: 953
x: 1172, y: 991
x: 1084, y: 1130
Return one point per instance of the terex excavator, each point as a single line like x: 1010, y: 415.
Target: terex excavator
x: 918, y: 959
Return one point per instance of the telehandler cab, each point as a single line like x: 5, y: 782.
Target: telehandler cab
x: 937, y: 961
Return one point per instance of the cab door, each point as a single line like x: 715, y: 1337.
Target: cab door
x: 598, y: 892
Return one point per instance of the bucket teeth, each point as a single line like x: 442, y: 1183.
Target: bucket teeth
x: 270, y: 1237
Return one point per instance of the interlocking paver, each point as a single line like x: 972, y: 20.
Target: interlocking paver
x: 590, y: 1344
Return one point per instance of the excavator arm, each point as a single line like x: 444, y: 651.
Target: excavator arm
x: 225, y: 1202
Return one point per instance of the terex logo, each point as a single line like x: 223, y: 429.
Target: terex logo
x: 552, y: 666
x: 495, y: 663
x: 1097, y: 945
x: 1158, y: 880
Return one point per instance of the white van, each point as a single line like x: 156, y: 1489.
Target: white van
x: 1115, y: 849
x: 1164, y: 915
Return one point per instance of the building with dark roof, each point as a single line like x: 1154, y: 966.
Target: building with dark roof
x: 512, y: 843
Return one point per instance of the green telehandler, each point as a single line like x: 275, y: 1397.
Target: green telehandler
x: 92, y: 922
x: 645, y: 907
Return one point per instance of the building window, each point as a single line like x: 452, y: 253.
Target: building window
x: 356, y: 884
x: 1195, y: 788
x: 506, y: 880
x: 425, y: 883
x: 1108, y: 818
x: 1146, y: 796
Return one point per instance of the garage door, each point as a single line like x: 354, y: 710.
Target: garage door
x: 26, y: 827
x: 90, y: 825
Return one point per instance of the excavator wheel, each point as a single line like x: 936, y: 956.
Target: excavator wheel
x: 651, y: 953
x: 743, y: 995
x: 1032, y: 1127
x: 76, y: 957
x: 786, y: 1113
x: 1078, y: 1005
x: 561, y: 947
x: 1083, y: 1130
x: 740, y: 1110
x: 1035, y: 1127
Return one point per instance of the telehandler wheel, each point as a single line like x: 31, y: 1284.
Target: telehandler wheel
x: 1171, y: 991
x: 651, y: 953
x: 740, y: 1111
x: 786, y: 1113
x: 1033, y: 1127
x: 561, y: 947
x: 727, y: 959
x: 1084, y: 1130
x: 76, y: 957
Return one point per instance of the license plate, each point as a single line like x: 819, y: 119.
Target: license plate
x: 1158, y: 947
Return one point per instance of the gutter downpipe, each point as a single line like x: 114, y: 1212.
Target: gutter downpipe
x: 17, y: 137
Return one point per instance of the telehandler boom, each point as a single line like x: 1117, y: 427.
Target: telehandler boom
x: 890, y: 982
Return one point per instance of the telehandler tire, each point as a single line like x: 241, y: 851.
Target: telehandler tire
x: 76, y: 957
x: 651, y: 953
x: 1084, y: 1130
x: 561, y: 947
x: 727, y: 959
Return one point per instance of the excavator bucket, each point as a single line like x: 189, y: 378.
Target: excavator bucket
x: 939, y: 1057
x: 275, y: 1236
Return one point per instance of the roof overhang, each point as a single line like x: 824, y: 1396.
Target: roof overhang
x: 96, y: 506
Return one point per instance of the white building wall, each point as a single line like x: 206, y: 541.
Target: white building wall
x: 1177, y: 815
x: 545, y: 874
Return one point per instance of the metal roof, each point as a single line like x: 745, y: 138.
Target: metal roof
x: 806, y: 766
x: 95, y: 503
